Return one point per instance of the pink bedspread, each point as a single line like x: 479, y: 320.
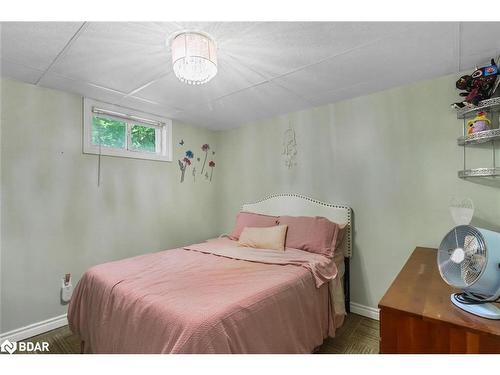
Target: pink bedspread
x: 209, y: 298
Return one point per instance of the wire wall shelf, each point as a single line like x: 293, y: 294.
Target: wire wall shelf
x: 491, y: 137
x: 480, y: 137
x: 484, y: 105
x: 479, y: 172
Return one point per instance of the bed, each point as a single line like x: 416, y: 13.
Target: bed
x: 216, y: 297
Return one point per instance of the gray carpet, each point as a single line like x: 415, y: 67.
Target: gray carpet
x: 358, y: 335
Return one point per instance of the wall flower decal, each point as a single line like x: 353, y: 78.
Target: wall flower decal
x: 193, y: 160
x: 184, y: 163
x: 211, y: 164
x: 205, y: 148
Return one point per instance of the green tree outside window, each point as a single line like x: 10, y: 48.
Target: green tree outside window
x: 143, y: 138
x: 108, y: 132
x: 113, y: 133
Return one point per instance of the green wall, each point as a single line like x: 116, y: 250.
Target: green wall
x: 392, y: 156
x: 56, y: 220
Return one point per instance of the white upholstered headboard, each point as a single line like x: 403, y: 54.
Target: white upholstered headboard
x: 299, y: 205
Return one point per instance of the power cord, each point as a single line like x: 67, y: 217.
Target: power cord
x: 469, y: 298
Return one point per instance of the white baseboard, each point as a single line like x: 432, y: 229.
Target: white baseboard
x: 34, y: 329
x: 369, y: 312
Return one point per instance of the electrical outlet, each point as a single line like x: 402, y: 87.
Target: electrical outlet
x: 66, y: 288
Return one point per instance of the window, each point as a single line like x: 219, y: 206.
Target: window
x: 115, y: 131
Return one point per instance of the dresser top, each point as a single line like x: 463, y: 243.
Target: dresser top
x: 419, y: 290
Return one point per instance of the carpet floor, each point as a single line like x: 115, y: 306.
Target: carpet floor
x: 358, y: 335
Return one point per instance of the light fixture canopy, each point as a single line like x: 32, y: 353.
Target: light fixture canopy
x: 194, y: 57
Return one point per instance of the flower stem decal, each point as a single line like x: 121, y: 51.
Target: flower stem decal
x: 184, y: 163
x: 211, y: 164
x: 205, y: 148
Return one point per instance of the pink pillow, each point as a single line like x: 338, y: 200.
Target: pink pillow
x: 248, y: 219
x: 338, y: 237
x: 314, y: 234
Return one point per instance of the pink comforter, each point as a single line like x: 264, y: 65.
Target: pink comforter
x: 212, y: 297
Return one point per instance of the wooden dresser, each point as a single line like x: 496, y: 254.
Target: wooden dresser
x: 417, y: 316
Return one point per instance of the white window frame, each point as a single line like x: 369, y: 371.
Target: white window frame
x: 163, y: 135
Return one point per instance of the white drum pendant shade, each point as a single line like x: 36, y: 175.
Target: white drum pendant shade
x: 194, y: 58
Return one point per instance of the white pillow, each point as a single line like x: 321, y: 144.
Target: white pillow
x: 264, y: 238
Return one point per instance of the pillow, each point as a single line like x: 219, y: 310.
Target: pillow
x: 248, y: 219
x: 264, y: 238
x: 338, y: 241
x: 314, y: 234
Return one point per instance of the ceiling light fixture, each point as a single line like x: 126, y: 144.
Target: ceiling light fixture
x: 194, y: 58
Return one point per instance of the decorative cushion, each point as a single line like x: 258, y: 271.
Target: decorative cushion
x: 248, y: 219
x: 264, y: 238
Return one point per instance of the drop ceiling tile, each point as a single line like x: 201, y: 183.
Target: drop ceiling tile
x: 165, y: 29
x: 55, y: 81
x: 258, y: 102
x: 480, y: 43
x: 122, y: 56
x: 360, y: 89
x: 221, y: 32
x: 380, y: 83
x: 149, y: 107
x: 201, y: 119
x: 417, y: 53
x: 18, y: 71
x: 119, y: 55
x: 206, y: 117
x: 275, y: 48
x: 231, y: 77
x: 35, y: 44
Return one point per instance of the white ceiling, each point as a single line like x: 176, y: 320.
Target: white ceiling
x: 265, y: 68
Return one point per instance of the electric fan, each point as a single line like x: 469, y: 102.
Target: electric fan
x: 469, y: 259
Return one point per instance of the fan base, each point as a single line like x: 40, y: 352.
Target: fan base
x: 484, y: 310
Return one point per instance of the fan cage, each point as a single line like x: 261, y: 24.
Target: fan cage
x: 466, y: 273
